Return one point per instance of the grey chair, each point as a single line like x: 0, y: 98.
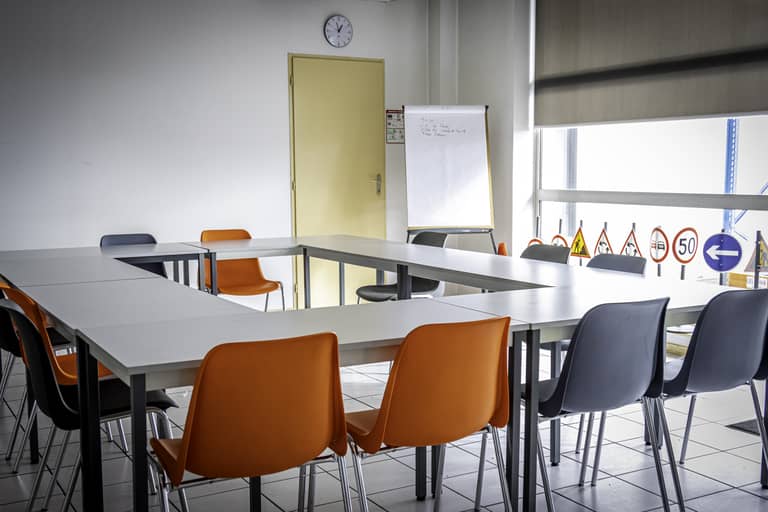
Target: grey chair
x: 135, y: 239
x: 727, y: 350
x: 545, y: 252
x: 616, y: 359
x: 419, y: 285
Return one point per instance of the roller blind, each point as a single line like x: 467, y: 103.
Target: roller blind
x: 619, y: 60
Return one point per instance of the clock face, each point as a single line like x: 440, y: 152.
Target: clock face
x: 338, y: 31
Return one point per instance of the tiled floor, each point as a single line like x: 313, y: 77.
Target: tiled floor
x: 722, y: 472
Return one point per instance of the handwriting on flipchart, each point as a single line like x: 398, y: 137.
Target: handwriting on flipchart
x: 433, y: 128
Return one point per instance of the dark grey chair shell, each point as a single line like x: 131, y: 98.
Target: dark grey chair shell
x: 545, y: 252
x: 619, y: 262
x: 135, y: 239
x: 419, y: 285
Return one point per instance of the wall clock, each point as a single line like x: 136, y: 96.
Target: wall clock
x: 338, y: 31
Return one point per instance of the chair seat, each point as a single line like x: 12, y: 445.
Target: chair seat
x: 564, y: 345
x: 167, y: 451
x: 546, y: 388
x: 360, y: 423
x: 68, y: 363
x: 385, y: 292
x: 250, y: 289
x: 57, y: 340
x: 671, y: 385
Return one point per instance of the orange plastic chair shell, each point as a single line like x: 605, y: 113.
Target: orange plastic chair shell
x: 259, y: 408
x: 236, y: 277
x: 448, y: 381
x: 502, y: 250
x: 64, y: 366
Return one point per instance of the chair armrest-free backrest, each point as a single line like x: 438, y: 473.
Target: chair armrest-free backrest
x: 135, y: 239
x: 619, y: 262
x: 232, y: 272
x: 545, y: 252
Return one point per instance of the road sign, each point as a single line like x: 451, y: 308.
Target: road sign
x: 559, y: 240
x: 659, y: 245
x: 762, y: 264
x: 535, y: 241
x: 603, y: 245
x: 631, y: 247
x: 579, y: 246
x: 685, y: 245
x: 722, y: 252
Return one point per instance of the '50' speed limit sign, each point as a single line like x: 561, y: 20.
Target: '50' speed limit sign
x: 685, y: 245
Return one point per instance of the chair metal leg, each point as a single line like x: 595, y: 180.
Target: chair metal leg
x: 481, y: 471
x: 650, y: 427
x: 266, y: 302
x: 671, y: 454
x: 110, y: 435
x: 312, y: 485
x: 282, y: 294
x: 41, y: 470
x: 585, y: 456
x: 599, y: 447
x: 72, y: 484
x: 439, y: 477
x: 27, y: 431
x: 57, y: 469
x: 580, y: 433
x: 121, y: 433
x: 7, y: 368
x: 500, y: 468
x: 345, y: 492
x: 687, y: 434
x: 759, y: 417
x: 358, y: 467
x: 544, y: 473
x: 16, y: 427
x: 302, y: 487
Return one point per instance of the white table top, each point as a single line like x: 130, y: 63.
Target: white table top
x: 63, y: 270
x: 67, y: 252
x: 367, y: 333
x: 253, y: 248
x: 151, y: 250
x: 79, y: 305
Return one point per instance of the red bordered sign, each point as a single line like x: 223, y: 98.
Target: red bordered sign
x: 631, y: 247
x: 603, y: 245
x: 659, y: 245
x: 685, y: 245
x: 535, y: 241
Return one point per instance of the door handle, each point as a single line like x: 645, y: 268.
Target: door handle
x: 377, y: 181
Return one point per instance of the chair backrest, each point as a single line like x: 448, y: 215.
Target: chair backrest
x: 431, y: 238
x: 616, y: 356
x: 546, y: 252
x: 502, y: 249
x: 135, y: 239
x: 728, y: 342
x: 447, y: 382
x: 262, y: 407
x: 620, y: 262
x: 232, y: 272
x: 9, y: 341
x: 41, y: 369
x: 33, y: 313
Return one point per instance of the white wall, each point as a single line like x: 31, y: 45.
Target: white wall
x: 172, y: 117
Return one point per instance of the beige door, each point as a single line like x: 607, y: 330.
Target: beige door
x: 337, y: 126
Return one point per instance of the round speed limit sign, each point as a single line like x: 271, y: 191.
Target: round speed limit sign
x: 685, y: 245
x: 659, y: 245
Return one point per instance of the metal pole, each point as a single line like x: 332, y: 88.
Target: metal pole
x: 758, y: 237
x: 581, y: 225
x: 682, y: 272
x: 722, y: 274
x: 538, y: 226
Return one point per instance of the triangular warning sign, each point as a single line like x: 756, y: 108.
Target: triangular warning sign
x: 579, y: 246
x: 603, y: 245
x: 631, y: 247
x: 762, y: 265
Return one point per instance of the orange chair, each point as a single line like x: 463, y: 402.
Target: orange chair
x: 239, y: 277
x: 502, y: 250
x: 259, y: 408
x: 448, y: 381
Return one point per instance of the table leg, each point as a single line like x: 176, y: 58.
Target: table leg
x: 421, y: 473
x: 530, y: 451
x: 176, y: 270
x: 254, y: 487
x: 139, y: 442
x: 515, y: 364
x: 186, y: 272
x: 341, y: 283
x: 34, y: 447
x: 307, y: 296
x: 201, y: 272
x: 90, y: 434
x: 214, y: 274
x: 554, y: 425
x: 403, y: 283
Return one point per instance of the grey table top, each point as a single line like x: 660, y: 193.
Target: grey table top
x: 151, y: 250
x: 66, y: 252
x: 253, y: 248
x: 367, y: 332
x: 69, y: 269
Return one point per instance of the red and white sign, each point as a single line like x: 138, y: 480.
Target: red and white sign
x: 659, y: 245
x: 603, y: 245
x: 560, y: 241
x: 685, y: 245
x: 631, y: 247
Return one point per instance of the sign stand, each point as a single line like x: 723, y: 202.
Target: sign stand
x: 758, y: 248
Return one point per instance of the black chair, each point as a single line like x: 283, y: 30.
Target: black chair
x: 135, y: 239
x: 60, y: 403
x: 616, y: 359
x: 545, y: 252
x: 727, y: 350
x: 419, y: 285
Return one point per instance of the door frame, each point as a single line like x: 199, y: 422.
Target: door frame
x: 292, y: 142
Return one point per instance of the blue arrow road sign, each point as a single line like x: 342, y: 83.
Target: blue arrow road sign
x: 722, y: 252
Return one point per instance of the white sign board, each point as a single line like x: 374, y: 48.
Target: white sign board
x: 448, y: 178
